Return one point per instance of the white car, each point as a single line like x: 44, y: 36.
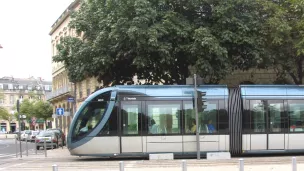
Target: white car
x: 26, y: 135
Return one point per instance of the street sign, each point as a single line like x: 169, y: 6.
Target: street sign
x: 70, y: 99
x: 60, y: 111
x: 22, y: 116
x: 66, y: 114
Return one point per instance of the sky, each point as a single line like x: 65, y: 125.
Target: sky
x: 24, y: 36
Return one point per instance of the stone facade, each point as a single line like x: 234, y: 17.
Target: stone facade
x: 13, y: 89
x: 62, y: 87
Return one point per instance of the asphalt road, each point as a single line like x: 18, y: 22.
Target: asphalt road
x: 8, y: 148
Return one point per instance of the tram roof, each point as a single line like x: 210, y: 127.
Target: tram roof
x: 168, y: 90
x: 272, y: 91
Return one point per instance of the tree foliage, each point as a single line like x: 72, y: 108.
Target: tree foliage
x: 4, y: 114
x: 43, y: 110
x: 36, y: 108
x: 158, y: 40
x: 286, y: 37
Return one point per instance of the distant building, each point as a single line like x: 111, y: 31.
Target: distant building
x: 13, y: 89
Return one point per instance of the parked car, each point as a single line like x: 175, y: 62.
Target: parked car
x: 60, y: 132
x: 33, y: 135
x: 51, y: 138
x: 26, y: 135
x: 19, y: 137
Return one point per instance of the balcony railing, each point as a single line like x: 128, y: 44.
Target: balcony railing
x: 58, y: 92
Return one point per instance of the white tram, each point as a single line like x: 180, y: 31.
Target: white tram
x: 139, y: 120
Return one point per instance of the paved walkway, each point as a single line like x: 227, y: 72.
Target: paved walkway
x: 66, y: 162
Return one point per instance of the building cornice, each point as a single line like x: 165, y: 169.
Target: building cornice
x: 64, y: 16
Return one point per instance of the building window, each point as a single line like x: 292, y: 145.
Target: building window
x: 12, y: 99
x: 10, y: 87
x: 16, y: 87
x: 80, y: 94
x: 1, y: 86
x: 21, y: 87
x: 5, y: 87
x: 29, y: 87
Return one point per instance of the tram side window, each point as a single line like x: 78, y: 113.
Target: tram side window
x: 208, y: 119
x: 130, y: 119
x: 258, y: 117
x: 164, y: 118
x: 223, y: 118
x: 296, y: 115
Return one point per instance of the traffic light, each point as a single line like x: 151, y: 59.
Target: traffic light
x: 201, y: 100
x: 18, y: 106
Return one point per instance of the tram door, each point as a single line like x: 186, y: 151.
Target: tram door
x: 277, y: 125
x: 131, y: 117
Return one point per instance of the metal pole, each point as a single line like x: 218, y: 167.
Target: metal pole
x: 121, y: 166
x: 45, y: 153
x: 35, y: 145
x: 16, y: 147
x: 241, y: 164
x: 52, y: 142
x: 184, y: 165
x: 26, y: 147
x: 294, y: 164
x: 55, y: 167
x: 20, y: 134
x: 196, y: 118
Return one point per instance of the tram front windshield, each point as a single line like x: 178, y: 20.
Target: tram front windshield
x: 90, y: 116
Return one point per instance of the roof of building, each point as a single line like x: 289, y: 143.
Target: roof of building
x: 64, y: 15
x: 24, y: 81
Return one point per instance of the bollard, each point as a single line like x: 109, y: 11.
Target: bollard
x: 241, y: 165
x: 16, y: 147
x: 55, y: 167
x: 35, y: 145
x: 184, y: 165
x: 121, y: 166
x: 52, y: 142
x: 45, y: 153
x: 26, y: 147
x: 294, y: 164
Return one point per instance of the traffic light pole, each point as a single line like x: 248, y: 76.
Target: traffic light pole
x: 196, y: 118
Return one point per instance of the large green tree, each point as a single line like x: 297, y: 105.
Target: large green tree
x: 286, y: 37
x: 36, y: 108
x: 158, y: 40
x: 27, y: 108
x: 43, y: 110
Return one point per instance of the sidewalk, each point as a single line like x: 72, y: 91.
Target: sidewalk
x: 66, y: 162
x: 7, y: 136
